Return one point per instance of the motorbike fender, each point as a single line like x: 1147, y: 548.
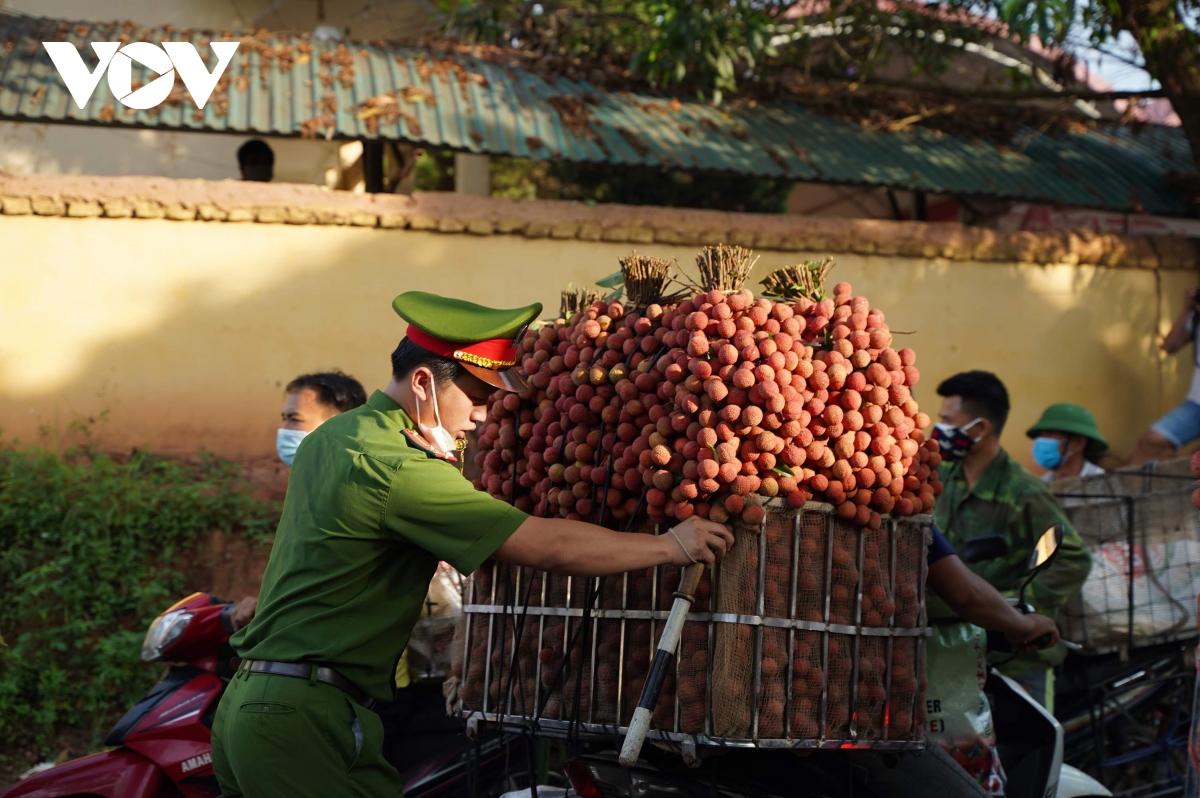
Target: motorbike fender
x: 117, y: 773
x: 1074, y: 783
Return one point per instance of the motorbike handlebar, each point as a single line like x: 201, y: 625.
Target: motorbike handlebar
x: 1044, y: 641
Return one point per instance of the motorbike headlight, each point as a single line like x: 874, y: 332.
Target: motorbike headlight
x: 165, y: 630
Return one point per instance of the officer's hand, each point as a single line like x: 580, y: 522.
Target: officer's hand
x: 1040, y: 632
x: 243, y: 612
x: 706, y: 541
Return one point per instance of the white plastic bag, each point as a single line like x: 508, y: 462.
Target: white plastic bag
x: 429, y: 646
x: 1166, y: 581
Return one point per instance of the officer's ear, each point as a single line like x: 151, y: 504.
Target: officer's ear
x: 420, y: 381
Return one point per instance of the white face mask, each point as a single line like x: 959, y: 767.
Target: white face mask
x: 439, y: 436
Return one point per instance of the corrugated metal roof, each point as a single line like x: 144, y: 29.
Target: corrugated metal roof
x: 287, y: 85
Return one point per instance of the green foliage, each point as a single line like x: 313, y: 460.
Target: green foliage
x: 700, y: 46
x: 513, y: 177
x: 518, y: 178
x: 434, y: 171
x: 715, y: 48
x: 92, y: 549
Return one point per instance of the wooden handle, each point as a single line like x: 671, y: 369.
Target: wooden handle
x: 690, y: 580
x: 640, y: 724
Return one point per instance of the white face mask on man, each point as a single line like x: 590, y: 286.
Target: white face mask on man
x: 439, y: 436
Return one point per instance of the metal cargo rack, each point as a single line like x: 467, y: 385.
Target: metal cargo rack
x: 518, y: 600
x: 1127, y: 698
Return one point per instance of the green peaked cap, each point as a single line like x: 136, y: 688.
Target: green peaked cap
x: 1073, y: 420
x: 460, y: 321
x: 485, y: 341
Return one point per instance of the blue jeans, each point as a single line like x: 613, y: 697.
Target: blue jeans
x: 1182, y: 425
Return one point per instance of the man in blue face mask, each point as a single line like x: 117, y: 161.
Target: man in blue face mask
x: 989, y: 493
x: 1066, y: 440
x: 313, y: 399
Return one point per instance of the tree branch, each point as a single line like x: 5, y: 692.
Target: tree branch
x: 1033, y: 94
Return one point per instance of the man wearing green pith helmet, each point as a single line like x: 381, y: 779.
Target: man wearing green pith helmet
x: 1066, y: 441
x: 374, y: 501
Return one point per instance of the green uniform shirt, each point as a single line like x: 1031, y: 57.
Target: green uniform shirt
x: 1009, y: 501
x: 370, y: 510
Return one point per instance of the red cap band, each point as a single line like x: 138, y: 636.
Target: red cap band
x: 495, y: 353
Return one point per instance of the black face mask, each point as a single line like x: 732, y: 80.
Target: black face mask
x: 954, y: 442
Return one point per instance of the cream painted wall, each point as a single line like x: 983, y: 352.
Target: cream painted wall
x: 183, y: 334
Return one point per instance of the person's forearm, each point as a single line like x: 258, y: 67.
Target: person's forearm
x: 581, y: 549
x: 973, y: 599
x: 990, y: 612
x: 1178, y: 337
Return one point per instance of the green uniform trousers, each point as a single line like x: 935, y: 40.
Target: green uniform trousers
x: 283, y: 736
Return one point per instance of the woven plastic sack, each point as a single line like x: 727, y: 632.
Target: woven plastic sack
x: 960, y: 717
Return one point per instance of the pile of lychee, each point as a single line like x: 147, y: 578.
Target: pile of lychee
x: 709, y: 406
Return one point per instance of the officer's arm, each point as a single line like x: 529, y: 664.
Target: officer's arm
x: 1063, y: 579
x: 582, y: 549
x: 977, y: 602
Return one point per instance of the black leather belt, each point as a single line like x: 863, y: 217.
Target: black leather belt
x: 304, y: 670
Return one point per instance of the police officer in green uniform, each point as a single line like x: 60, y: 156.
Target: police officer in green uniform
x: 989, y: 493
x: 374, y: 501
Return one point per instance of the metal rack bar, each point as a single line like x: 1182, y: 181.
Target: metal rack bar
x: 621, y: 651
x: 919, y: 668
x: 829, y: 525
x: 793, y: 596
x: 759, y: 608
x: 487, y: 664
x: 537, y: 685
x: 560, y: 728
x: 595, y: 650
x: 470, y: 623
x: 713, y: 586
x: 562, y: 705
x: 891, y: 621
x: 854, y: 663
x: 516, y: 638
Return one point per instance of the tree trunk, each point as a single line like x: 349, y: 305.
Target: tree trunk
x: 1172, y: 54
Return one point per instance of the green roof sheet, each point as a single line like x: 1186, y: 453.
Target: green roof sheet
x: 285, y: 85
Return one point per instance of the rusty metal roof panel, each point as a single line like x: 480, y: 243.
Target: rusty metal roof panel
x: 285, y: 85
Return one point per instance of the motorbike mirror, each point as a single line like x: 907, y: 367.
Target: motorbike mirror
x: 1043, y: 552
x: 983, y: 548
x: 1046, y: 547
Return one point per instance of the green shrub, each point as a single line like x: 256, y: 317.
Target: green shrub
x: 91, y: 550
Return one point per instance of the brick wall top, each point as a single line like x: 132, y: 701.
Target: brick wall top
x: 231, y: 201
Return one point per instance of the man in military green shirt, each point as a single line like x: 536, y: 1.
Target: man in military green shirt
x: 374, y: 501
x: 989, y: 493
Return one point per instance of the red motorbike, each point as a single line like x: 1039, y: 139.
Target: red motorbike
x: 163, y: 745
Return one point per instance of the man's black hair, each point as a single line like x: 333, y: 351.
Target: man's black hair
x: 409, y: 356
x: 256, y: 151
x: 334, y: 389
x: 982, y: 395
